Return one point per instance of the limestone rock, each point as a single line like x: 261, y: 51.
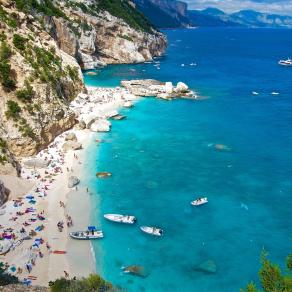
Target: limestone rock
x: 4, y: 193
x: 100, y: 125
x: 81, y: 125
x: 136, y: 270
x: 208, y: 266
x: 181, y: 87
x: 71, y: 137
x: 128, y: 104
x: 36, y: 163
x: 73, y: 181
x: 168, y: 87
x: 72, y: 145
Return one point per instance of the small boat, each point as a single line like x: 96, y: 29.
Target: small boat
x: 255, y: 93
x: 287, y: 62
x: 275, y: 93
x: 120, y: 218
x: 90, y: 233
x: 152, y: 230
x: 199, y: 201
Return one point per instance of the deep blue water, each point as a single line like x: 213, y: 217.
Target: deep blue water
x: 162, y: 157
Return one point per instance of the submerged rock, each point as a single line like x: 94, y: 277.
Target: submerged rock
x: 118, y: 117
x: 103, y: 174
x: 136, y: 270
x: 73, y: 181
x: 222, y: 147
x: 208, y: 266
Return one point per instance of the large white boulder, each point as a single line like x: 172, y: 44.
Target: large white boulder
x: 168, y: 87
x: 100, y: 125
x: 181, y: 87
x: 73, y: 181
x: 72, y: 145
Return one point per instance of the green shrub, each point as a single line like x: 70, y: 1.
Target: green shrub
x: 6, y: 18
x: 271, y: 277
x: 13, y: 110
x: 6, y: 279
x: 72, y: 72
x: 26, y: 94
x: 5, y: 68
x: 289, y: 262
x: 90, y: 284
x: 19, y: 42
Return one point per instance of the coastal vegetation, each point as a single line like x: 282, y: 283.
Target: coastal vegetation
x: 5, y: 68
x: 5, y: 278
x: 271, y: 277
x: 90, y: 284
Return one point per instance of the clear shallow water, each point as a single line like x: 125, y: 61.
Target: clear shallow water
x: 161, y: 159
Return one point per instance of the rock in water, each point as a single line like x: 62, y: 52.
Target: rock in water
x: 36, y: 162
x: 103, y: 174
x: 181, y: 87
x: 71, y: 145
x: 73, y: 181
x: 208, y: 266
x: 136, y: 271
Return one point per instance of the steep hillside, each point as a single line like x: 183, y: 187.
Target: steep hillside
x: 244, y: 18
x: 42, y: 44
x: 164, y: 13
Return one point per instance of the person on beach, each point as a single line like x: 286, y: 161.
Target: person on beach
x: 66, y: 274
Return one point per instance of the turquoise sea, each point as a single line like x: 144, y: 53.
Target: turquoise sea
x: 163, y: 156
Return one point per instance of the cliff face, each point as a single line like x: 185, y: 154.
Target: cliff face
x: 165, y: 13
x: 3, y: 193
x: 42, y: 44
x: 37, y: 82
x: 100, y: 38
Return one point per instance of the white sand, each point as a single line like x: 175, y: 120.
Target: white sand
x: 77, y: 260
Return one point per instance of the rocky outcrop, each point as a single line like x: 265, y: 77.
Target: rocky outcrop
x: 4, y: 193
x: 72, y: 145
x: 101, y: 38
x: 44, y: 79
x: 155, y: 88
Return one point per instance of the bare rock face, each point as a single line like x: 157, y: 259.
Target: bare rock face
x: 105, y: 40
x: 4, y: 193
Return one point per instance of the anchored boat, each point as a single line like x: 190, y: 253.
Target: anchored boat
x: 126, y: 219
x: 287, y: 62
x: 199, y: 201
x: 90, y: 233
x: 152, y: 230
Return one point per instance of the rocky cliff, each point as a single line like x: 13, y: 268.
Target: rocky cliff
x: 42, y: 46
x: 4, y: 193
x: 95, y: 37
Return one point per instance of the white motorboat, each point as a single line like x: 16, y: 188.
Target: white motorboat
x: 152, y: 230
x: 199, y: 201
x: 275, y: 93
x: 126, y: 219
x: 91, y: 233
x: 287, y: 62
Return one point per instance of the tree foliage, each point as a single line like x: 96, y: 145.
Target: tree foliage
x: 6, y: 279
x: 271, y: 277
x: 5, y: 69
x: 90, y: 284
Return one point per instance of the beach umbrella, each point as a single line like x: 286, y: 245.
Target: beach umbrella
x: 91, y: 228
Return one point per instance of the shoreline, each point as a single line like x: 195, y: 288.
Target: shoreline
x: 50, y: 190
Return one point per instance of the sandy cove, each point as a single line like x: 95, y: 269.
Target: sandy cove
x: 29, y: 223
